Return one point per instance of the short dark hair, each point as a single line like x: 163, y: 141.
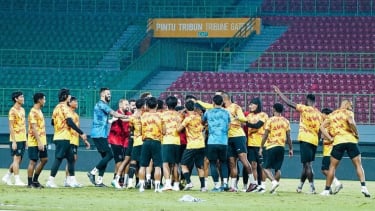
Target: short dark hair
x: 38, y: 96
x: 171, y: 102
x: 279, y: 108
x: 104, y: 89
x: 15, y: 95
x: 151, y: 102
x: 160, y: 104
x: 326, y: 111
x: 189, y: 105
x: 145, y: 95
x: 139, y: 103
x: 179, y: 108
x: 63, y: 94
x: 218, y: 100
x: 189, y: 97
x: 72, y: 98
x: 132, y: 100
x: 310, y: 97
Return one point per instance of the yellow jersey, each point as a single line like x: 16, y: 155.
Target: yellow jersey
x: 74, y: 135
x: 277, y: 127
x: 309, y: 125
x: 36, y: 117
x: 61, y: 112
x: 152, y: 126
x: 339, y: 126
x: 194, y: 131
x: 171, y: 121
x: 135, y: 122
x: 236, y: 117
x: 254, y: 136
x: 17, y: 116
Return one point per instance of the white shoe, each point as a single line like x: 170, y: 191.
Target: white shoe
x: 158, y: 190
x: 115, y: 184
x: 275, y: 185
x: 365, y: 191
x: 141, y: 188
x: 325, y: 193
x: 131, y: 186
x: 19, y: 183
x: 51, y: 184
x: 188, y: 186
x: 74, y: 184
x: 66, y: 183
x: 337, y: 188
x: 176, y: 188
x: 167, y: 187
x: 6, y: 179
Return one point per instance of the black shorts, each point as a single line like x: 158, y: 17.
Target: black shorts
x: 253, y: 154
x: 151, y: 149
x: 236, y: 145
x: 102, y: 145
x: 35, y: 153
x: 307, y: 152
x: 171, y: 153
x: 20, y: 149
x: 74, y: 149
x: 217, y: 152
x: 326, y: 161
x: 182, y: 149
x: 129, y: 149
x: 118, y: 153
x: 339, y: 150
x: 63, y: 149
x: 193, y: 156
x: 274, y: 158
x: 136, y: 153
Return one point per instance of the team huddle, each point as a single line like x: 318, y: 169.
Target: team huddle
x: 149, y: 141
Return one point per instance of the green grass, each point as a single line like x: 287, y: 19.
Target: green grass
x: 91, y: 198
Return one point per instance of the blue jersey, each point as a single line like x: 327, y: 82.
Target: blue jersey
x: 218, y: 120
x: 100, y: 126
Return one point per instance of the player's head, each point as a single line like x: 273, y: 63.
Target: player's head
x: 73, y: 102
x: 218, y: 100
x: 145, y: 95
x: 160, y: 106
x: 64, y: 95
x: 132, y: 105
x: 18, y: 97
x: 346, y: 104
x: 199, y: 109
x: 278, y: 108
x: 140, y: 103
x: 189, y: 105
x: 39, y: 98
x: 123, y: 104
x: 255, y: 105
x: 310, y: 99
x: 171, y: 102
x: 190, y: 97
x: 326, y: 111
x: 105, y: 94
x: 152, y: 103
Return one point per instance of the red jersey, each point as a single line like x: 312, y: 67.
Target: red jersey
x: 119, y: 132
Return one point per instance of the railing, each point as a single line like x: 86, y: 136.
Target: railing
x: 178, y: 8
x: 59, y: 58
x: 316, y: 7
x: 281, y: 61
x: 88, y: 98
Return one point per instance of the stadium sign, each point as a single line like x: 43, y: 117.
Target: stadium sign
x: 198, y: 27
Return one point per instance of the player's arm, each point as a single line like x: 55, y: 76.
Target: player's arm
x: 240, y: 116
x: 36, y: 135
x: 353, y: 126
x: 72, y: 125
x: 123, y: 117
x: 12, y: 135
x: 257, y: 125
x: 284, y: 98
x: 289, y: 142
x: 324, y: 131
x: 264, y: 139
x: 181, y: 127
x: 205, y: 105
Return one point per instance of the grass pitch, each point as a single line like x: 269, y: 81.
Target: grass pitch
x: 92, y: 198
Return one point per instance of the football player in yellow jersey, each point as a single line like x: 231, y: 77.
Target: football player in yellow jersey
x: 171, y: 144
x: 255, y: 124
x: 327, y: 148
x: 152, y: 133
x: 195, y: 148
x: 237, y: 144
x: 308, y: 135
x: 37, y: 141
x: 62, y: 122
x: 74, y: 141
x: 17, y: 130
x: 344, y: 135
x: 277, y: 132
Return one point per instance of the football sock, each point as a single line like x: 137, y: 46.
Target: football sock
x: 201, y: 179
x: 94, y: 171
